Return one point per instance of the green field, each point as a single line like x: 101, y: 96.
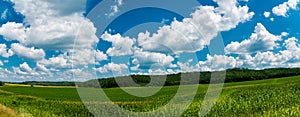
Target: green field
x: 271, y: 97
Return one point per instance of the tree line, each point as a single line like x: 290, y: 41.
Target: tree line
x: 232, y: 75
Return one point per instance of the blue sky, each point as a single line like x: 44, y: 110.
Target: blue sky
x: 57, y: 40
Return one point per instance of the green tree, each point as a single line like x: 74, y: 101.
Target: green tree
x: 1, y: 83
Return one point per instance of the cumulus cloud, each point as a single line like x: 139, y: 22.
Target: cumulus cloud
x: 193, y: 34
x: 217, y: 62
x: 52, y: 25
x: 57, y: 27
x: 67, y: 7
x: 260, y: 40
x: 190, y: 35
x: 120, y: 45
x: 61, y: 34
x: 75, y: 59
x: 5, y: 52
x: 13, y: 31
x: 115, y: 8
x: 117, y: 69
x: 61, y: 61
x: 28, y: 53
x: 267, y: 14
x: 42, y: 68
x: 87, y: 56
x: 282, y: 9
x: 146, y: 59
x: 188, y: 67
x: 287, y: 57
x: 24, y: 69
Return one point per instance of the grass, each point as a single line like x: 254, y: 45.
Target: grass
x: 271, y: 97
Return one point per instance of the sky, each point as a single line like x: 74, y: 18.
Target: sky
x: 67, y: 40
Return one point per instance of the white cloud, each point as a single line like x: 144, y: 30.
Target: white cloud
x: 25, y: 69
x: 217, y: 62
x: 146, y: 59
x: 40, y: 67
x: 39, y: 10
x: 157, y: 72
x: 28, y: 53
x: 120, y: 45
x: 232, y: 14
x: 266, y: 14
x: 117, y: 69
x: 100, y: 56
x: 61, y: 33
x: 75, y: 59
x: 55, y: 27
x: 67, y: 7
x: 260, y: 40
x: 51, y: 25
x: 291, y: 44
x: 13, y: 31
x: 282, y: 9
x: 61, y: 61
x: 192, y: 34
x: 87, y: 56
x: 115, y: 8
x: 188, y: 67
x: 284, y: 34
x: 4, y: 52
x: 288, y: 57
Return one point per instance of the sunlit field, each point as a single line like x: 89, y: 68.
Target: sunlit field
x: 271, y: 97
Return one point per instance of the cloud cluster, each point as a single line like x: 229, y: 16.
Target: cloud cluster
x: 146, y: 59
x: 28, y: 53
x: 115, y: 8
x: 24, y: 69
x: 189, y: 35
x: 260, y: 40
x: 13, y: 31
x: 193, y: 34
x: 52, y: 25
x: 5, y: 52
x: 116, y: 69
x: 267, y: 14
x: 288, y: 56
x: 282, y: 9
x: 120, y: 45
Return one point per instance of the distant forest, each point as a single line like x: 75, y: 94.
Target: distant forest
x: 232, y: 75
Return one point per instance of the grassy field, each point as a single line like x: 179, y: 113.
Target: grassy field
x: 271, y: 97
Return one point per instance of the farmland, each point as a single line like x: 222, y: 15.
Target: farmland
x: 270, y: 97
